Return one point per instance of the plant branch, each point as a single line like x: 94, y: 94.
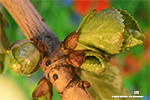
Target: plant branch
x: 30, y: 21
x: 58, y: 71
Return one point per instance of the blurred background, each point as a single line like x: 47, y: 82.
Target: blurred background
x: 63, y: 17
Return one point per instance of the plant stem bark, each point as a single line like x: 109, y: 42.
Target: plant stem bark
x: 60, y: 73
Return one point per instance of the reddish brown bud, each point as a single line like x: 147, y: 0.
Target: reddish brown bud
x: 77, y: 58
x: 71, y: 41
x: 42, y: 88
x: 86, y: 84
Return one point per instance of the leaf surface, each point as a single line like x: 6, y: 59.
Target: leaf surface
x: 93, y: 62
x: 101, y: 31
x: 105, y: 85
x: 132, y: 34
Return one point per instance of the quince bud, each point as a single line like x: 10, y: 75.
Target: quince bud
x: 24, y: 57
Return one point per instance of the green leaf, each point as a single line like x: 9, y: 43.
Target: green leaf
x: 129, y: 21
x: 101, y: 32
x: 131, y: 38
x: 132, y: 34
x: 125, y: 92
x: 105, y: 85
x: 93, y: 62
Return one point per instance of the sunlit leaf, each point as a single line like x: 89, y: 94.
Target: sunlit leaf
x: 129, y: 21
x: 107, y: 32
x: 101, y: 31
x: 125, y: 92
x: 132, y: 34
x: 105, y: 85
x: 132, y: 38
x: 93, y: 62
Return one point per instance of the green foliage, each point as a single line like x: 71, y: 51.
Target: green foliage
x: 101, y: 31
x: 119, y: 35
x: 132, y: 38
x: 106, y: 33
x: 105, y: 85
x: 93, y: 62
x: 132, y: 33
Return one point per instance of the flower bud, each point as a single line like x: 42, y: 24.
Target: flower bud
x: 24, y: 57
